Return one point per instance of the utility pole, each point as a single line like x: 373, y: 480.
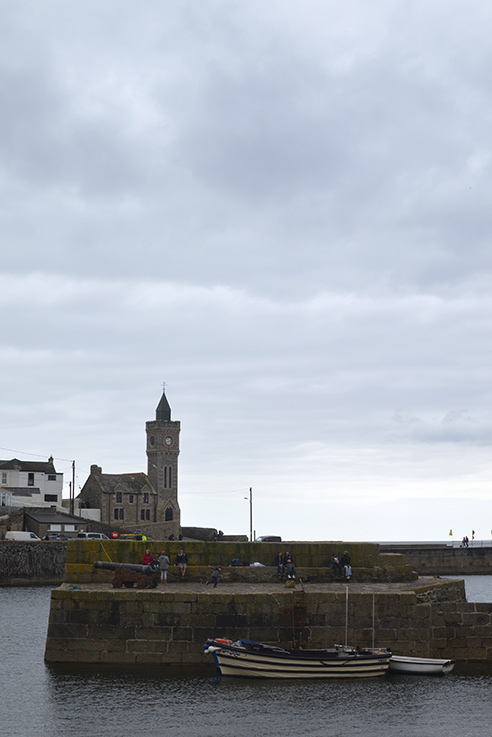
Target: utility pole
x: 72, y: 490
x: 250, y: 513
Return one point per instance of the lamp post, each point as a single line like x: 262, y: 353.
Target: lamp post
x: 250, y: 513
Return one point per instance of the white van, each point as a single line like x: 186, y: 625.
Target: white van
x: 19, y: 535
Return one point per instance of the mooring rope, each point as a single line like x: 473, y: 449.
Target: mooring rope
x: 107, y: 554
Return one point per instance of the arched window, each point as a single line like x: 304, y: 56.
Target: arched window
x: 167, y: 477
x: 169, y: 514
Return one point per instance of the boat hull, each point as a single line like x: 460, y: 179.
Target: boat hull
x: 239, y: 661
x: 420, y: 666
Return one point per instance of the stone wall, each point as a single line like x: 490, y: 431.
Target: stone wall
x: 311, y: 560
x: 446, y: 561
x: 157, y: 626
x: 31, y: 563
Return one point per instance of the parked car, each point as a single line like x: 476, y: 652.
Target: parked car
x: 56, y: 536
x: 93, y: 535
x: 269, y: 539
x: 21, y: 535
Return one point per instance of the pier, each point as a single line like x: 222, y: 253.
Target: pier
x: 92, y: 622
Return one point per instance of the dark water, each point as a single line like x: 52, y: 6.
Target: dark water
x: 80, y: 701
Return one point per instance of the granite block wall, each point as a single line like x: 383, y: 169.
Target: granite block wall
x: 155, y: 626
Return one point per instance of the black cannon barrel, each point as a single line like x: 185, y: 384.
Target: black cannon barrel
x: 108, y: 566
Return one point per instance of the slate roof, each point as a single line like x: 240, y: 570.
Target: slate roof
x: 128, y: 483
x: 22, y: 490
x: 53, y: 518
x: 33, y: 466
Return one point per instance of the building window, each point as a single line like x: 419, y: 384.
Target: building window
x: 51, y: 477
x: 50, y: 498
x: 145, y: 498
x: 147, y: 514
x: 165, y: 477
x: 122, y: 513
x: 4, y: 477
x: 30, y: 479
x: 169, y: 515
x: 142, y: 514
x: 130, y: 499
x: 119, y: 497
x: 115, y: 512
x: 168, y: 477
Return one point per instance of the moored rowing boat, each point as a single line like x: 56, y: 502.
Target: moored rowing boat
x: 256, y: 660
x: 420, y: 666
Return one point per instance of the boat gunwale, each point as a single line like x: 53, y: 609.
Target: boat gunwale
x: 333, y: 655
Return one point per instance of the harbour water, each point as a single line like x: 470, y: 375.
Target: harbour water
x: 86, y: 701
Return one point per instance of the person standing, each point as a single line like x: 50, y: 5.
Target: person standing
x: 182, y: 562
x: 164, y: 566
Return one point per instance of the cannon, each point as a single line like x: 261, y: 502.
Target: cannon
x: 127, y: 574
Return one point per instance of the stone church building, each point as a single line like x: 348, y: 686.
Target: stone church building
x: 138, y: 501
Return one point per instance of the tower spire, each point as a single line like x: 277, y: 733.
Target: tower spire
x: 163, y: 411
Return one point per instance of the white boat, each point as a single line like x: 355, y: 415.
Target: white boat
x: 256, y: 660
x: 420, y: 666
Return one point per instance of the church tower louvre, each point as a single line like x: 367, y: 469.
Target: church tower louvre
x: 162, y: 463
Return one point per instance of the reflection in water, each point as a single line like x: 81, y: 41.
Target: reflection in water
x: 76, y: 701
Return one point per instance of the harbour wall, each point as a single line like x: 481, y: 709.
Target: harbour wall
x: 32, y: 563
x: 26, y: 563
x: 92, y: 622
x: 43, y: 563
x: 311, y: 560
x: 445, y: 560
x: 103, y: 625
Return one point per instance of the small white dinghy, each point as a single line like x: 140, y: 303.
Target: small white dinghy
x: 420, y: 666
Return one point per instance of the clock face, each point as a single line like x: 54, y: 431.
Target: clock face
x: 168, y: 440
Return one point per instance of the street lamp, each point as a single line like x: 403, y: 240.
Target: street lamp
x: 250, y: 513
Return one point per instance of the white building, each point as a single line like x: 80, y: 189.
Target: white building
x: 31, y: 483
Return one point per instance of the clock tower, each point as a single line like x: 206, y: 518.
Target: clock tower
x: 162, y: 463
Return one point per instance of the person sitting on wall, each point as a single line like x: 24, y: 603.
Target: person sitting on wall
x: 289, y: 566
x: 335, y: 565
x: 346, y: 563
x: 147, y: 558
x: 182, y: 562
x: 285, y: 563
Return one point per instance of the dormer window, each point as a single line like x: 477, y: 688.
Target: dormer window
x: 119, y: 497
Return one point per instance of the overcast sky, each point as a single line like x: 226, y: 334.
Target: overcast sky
x: 283, y: 211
